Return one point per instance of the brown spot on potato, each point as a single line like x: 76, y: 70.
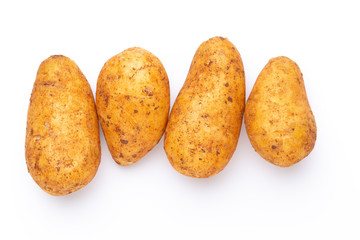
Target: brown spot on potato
x: 136, y: 111
x: 106, y: 99
x: 229, y: 99
x: 124, y: 141
x: 273, y: 147
x: 47, y: 83
x: 226, y: 84
x: 209, y: 63
x: 148, y: 91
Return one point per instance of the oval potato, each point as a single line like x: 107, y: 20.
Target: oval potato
x: 62, y: 145
x: 205, y: 121
x: 133, y: 102
x: 278, y: 118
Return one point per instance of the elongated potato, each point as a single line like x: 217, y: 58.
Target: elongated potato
x: 278, y: 118
x: 62, y: 146
x: 205, y: 121
x: 133, y: 102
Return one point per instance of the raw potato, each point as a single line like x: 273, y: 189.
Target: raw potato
x: 278, y: 118
x: 133, y: 102
x: 205, y: 121
x: 62, y: 145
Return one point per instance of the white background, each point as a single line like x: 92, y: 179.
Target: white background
x: 250, y: 199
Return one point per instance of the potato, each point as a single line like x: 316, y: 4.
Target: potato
x: 278, y: 118
x: 205, y: 121
x: 62, y: 146
x: 133, y: 102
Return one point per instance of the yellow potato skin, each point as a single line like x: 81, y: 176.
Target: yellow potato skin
x: 133, y: 102
x: 205, y: 121
x: 62, y: 146
x: 278, y: 118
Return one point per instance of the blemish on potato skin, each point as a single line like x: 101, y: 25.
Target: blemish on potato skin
x: 47, y: 83
x: 106, y: 100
